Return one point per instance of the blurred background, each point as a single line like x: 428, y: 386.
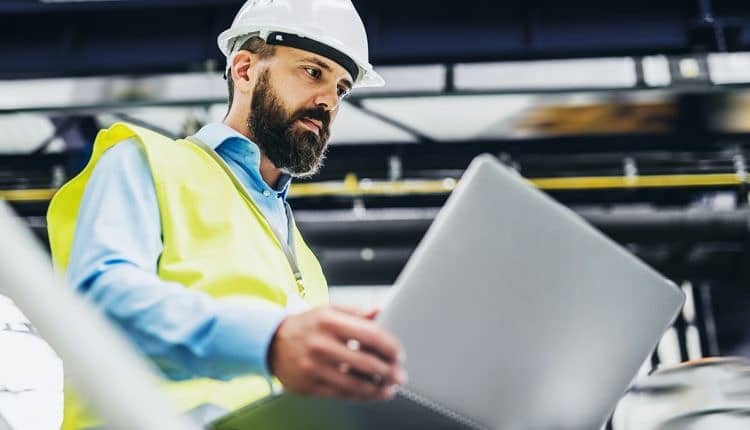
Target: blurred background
x: 636, y: 114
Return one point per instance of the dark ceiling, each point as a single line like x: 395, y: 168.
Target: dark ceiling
x: 45, y: 39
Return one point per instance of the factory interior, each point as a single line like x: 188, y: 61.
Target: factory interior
x: 633, y: 114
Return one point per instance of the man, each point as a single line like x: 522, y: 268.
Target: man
x: 190, y: 246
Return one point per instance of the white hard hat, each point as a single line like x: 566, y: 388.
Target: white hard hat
x: 331, y: 28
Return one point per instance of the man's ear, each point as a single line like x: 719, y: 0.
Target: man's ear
x: 243, y: 71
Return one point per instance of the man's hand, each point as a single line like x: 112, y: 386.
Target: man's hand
x: 337, y: 351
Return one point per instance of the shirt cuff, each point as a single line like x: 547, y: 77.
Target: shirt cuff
x: 243, y: 333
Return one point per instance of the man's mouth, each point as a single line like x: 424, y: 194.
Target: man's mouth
x: 313, y: 125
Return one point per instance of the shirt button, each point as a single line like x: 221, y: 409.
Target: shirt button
x: 266, y: 193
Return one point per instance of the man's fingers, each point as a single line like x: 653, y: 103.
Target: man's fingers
x: 352, y: 356
x: 346, y: 385
x: 369, y: 391
x: 370, y: 336
x: 369, y: 314
x: 333, y: 351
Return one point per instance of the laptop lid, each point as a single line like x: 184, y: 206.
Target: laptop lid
x: 517, y: 313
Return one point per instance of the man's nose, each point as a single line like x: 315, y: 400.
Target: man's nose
x: 327, y: 99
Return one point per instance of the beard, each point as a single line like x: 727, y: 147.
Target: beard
x: 293, y: 149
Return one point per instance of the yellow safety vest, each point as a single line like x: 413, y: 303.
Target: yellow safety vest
x: 215, y: 240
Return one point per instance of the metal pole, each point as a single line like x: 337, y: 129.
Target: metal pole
x: 119, y: 384
x: 4, y: 424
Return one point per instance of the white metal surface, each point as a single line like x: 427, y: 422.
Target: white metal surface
x: 31, y: 375
x: 120, y: 385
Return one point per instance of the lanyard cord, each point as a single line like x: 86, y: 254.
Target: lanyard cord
x: 287, y: 247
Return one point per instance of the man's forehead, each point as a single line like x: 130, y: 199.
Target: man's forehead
x: 323, y: 61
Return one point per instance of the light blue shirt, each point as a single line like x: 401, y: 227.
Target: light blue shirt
x: 114, y: 261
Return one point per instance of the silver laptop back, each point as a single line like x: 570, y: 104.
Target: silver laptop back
x: 517, y: 313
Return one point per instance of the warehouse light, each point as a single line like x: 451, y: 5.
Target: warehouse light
x: 656, y: 71
x: 416, y: 78
x: 553, y: 74
x: 457, y: 117
x: 731, y: 68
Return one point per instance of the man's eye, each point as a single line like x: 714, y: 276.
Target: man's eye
x: 343, y: 92
x: 313, y: 72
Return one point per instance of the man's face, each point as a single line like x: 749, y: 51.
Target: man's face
x: 295, y: 100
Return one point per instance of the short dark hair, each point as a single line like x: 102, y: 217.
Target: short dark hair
x: 256, y: 45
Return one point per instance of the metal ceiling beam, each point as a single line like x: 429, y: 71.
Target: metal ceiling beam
x: 140, y: 37
x: 19, y: 7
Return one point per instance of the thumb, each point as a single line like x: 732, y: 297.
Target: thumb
x: 368, y: 313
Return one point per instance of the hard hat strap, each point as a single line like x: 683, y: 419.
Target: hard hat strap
x: 304, y: 43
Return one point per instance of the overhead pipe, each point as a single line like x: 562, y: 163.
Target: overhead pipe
x: 382, y: 265
x: 402, y: 227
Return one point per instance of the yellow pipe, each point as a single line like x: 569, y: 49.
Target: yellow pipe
x: 366, y: 187
x: 351, y: 186
x: 653, y: 181
x: 372, y: 188
x: 30, y: 195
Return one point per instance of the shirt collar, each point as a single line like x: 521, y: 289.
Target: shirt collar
x: 215, y: 134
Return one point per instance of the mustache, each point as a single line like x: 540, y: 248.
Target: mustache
x: 320, y: 114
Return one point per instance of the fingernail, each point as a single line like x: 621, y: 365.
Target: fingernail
x: 401, y: 357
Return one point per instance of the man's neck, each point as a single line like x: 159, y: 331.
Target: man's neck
x: 268, y: 171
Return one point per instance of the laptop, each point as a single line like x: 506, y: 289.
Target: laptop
x: 514, y: 313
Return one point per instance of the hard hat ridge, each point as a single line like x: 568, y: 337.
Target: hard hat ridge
x: 331, y: 28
